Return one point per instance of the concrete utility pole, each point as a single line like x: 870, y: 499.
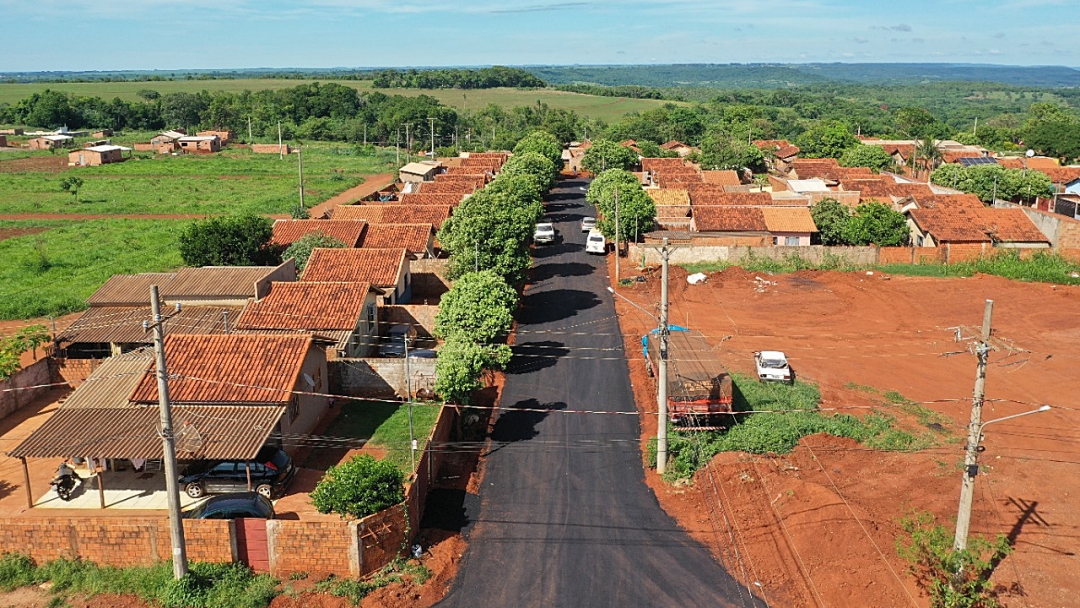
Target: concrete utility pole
x: 249, y: 130
x: 408, y: 400
x: 662, y: 373
x: 397, y: 147
x: 432, y: 121
x: 971, y: 454
x: 616, y: 234
x: 176, y: 525
x: 280, y: 146
x: 408, y: 144
x: 300, y: 156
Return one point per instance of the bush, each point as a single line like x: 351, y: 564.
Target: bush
x: 359, y: 487
x: 239, y: 240
x: 300, y: 250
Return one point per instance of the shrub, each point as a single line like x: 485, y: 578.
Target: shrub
x: 240, y: 240
x: 359, y: 487
x: 300, y: 250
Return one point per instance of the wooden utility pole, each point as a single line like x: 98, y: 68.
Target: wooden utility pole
x: 971, y: 454
x: 172, y: 483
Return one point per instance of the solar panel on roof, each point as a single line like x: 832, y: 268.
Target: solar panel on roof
x: 979, y: 160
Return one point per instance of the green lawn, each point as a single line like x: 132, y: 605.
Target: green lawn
x: 605, y: 108
x: 386, y: 425
x: 233, y: 181
x: 53, y: 272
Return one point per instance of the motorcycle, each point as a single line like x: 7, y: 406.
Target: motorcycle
x: 65, y: 486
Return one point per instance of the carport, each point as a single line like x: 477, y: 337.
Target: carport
x: 98, y: 421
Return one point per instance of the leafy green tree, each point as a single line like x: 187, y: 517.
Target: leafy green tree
x: 1058, y: 139
x: 359, y: 487
x: 544, y: 143
x: 719, y: 151
x: 148, y: 94
x: 876, y: 224
x: 636, y: 213
x: 914, y: 122
x: 12, y: 348
x: 874, y: 157
x: 478, y: 308
x: 491, y: 230
x: 986, y: 181
x: 524, y: 189
x: 607, y: 182
x: 831, y: 218
x: 1044, y: 112
x: 237, y: 240
x: 651, y: 149
x: 825, y: 140
x: 72, y: 184
x: 605, y: 154
x: 533, y: 164
x: 460, y: 368
x: 300, y: 250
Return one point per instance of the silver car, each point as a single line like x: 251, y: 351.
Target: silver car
x: 545, y: 233
x: 588, y: 224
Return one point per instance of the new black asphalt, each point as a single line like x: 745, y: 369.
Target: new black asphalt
x: 564, y: 516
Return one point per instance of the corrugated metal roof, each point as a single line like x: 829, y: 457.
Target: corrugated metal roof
x: 111, y: 384
x: 211, y: 281
x: 124, y: 324
x: 236, y: 368
x: 128, y: 289
x: 202, y: 432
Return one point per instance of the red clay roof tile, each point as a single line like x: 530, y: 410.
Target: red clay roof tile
x: 307, y: 305
x: 287, y: 232
x: 380, y: 267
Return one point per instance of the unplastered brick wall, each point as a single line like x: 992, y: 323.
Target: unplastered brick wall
x: 37, y: 374
x: 74, y: 371
x: 114, y: 541
x: 382, y: 538
x: 965, y: 252
x: 420, y: 317
x: 329, y: 547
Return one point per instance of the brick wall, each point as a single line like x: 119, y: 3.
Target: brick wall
x: 73, y: 371
x: 965, y: 252
x: 429, y: 280
x: 328, y: 547
x: 427, y: 469
x: 38, y: 373
x: 114, y: 541
x: 270, y: 148
x: 419, y: 316
x: 382, y: 538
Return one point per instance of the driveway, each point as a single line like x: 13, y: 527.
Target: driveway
x: 564, y: 516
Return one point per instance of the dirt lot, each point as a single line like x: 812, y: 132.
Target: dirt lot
x: 818, y: 526
x: 42, y: 164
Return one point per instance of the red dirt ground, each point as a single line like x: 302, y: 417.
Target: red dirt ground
x: 371, y: 185
x: 10, y: 233
x: 818, y: 526
x: 42, y: 164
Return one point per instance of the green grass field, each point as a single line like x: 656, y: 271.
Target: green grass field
x: 234, y: 181
x: 604, y: 108
x: 385, y: 424
x: 53, y: 272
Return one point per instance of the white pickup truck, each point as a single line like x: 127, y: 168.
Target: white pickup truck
x: 772, y: 366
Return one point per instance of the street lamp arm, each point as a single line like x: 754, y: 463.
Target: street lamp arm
x: 632, y: 303
x: 1044, y: 408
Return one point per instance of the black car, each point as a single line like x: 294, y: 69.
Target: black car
x: 271, y: 471
x: 232, y: 506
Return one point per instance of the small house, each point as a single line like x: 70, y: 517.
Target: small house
x: 167, y: 137
x: 226, y: 137
x: 418, y: 172
x: 200, y: 144
x: 386, y: 270
x: 102, y: 133
x: 417, y: 239
x: 51, y: 142
x: 98, y: 155
x: 349, y: 232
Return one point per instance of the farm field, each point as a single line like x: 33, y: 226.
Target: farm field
x: 593, y: 106
x: 234, y: 181
x: 818, y: 526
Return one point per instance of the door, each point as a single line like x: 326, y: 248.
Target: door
x: 252, y: 548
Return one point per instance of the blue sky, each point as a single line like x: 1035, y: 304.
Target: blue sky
x: 176, y: 34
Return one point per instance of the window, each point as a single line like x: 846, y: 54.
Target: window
x: 294, y: 408
x: 776, y: 240
x: 919, y: 241
x: 792, y: 241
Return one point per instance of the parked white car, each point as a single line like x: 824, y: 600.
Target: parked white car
x: 588, y: 224
x: 772, y: 366
x: 595, y: 243
x: 545, y: 233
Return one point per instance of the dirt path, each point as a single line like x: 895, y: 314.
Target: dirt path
x: 102, y: 216
x: 818, y: 526
x: 371, y: 185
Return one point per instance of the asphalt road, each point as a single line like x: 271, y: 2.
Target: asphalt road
x: 564, y: 516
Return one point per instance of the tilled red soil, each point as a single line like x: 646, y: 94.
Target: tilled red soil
x: 42, y: 164
x: 818, y: 526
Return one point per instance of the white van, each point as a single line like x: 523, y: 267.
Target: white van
x: 596, y: 243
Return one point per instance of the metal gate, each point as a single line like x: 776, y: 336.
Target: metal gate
x: 252, y: 547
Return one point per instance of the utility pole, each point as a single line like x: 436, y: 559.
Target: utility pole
x: 408, y: 144
x: 280, y: 147
x: 662, y: 375
x: 172, y: 485
x: 408, y: 398
x: 432, y: 121
x: 300, y: 156
x: 397, y: 146
x: 365, y: 133
x: 249, y: 130
x: 617, y: 277
x: 971, y: 454
x: 975, y: 131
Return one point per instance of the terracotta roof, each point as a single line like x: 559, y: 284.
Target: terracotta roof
x: 287, y: 232
x: 307, y: 305
x: 771, y: 144
x: 475, y: 181
x: 395, y: 214
x: 951, y: 156
x: 235, y: 368
x: 1061, y: 175
x: 789, y: 219
x: 124, y: 324
x: 910, y: 190
x: 660, y: 164
x: 671, y: 145
x: 128, y: 289
x: 669, y: 196
x: 380, y: 267
x: 673, y: 180
x: 729, y: 219
x: 211, y: 281
x: 415, y: 238
x: 111, y: 384
x: 711, y: 194
x: 824, y: 168
x: 931, y: 201
x: 967, y: 224
x: 472, y: 169
x: 477, y: 156
x: 451, y: 186
x: 786, y: 152
x: 723, y: 178
x: 868, y: 188
x: 416, y: 198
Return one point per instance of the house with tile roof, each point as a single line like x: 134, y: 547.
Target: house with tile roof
x: 386, y: 270
x: 345, y: 314
x: 779, y: 153
x: 395, y: 214
x: 964, y: 224
x: 417, y: 239
x: 672, y: 207
x: 789, y: 226
x: 712, y: 194
x: 792, y: 226
x: 441, y: 200
x: 680, y: 148
x: 287, y: 232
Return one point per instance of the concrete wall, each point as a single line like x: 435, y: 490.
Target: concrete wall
x: 815, y: 253
x: 427, y: 469
x: 382, y: 378
x: 36, y: 374
x: 429, y: 280
x: 419, y: 316
x: 270, y: 149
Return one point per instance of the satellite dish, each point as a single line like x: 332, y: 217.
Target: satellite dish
x: 310, y: 381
